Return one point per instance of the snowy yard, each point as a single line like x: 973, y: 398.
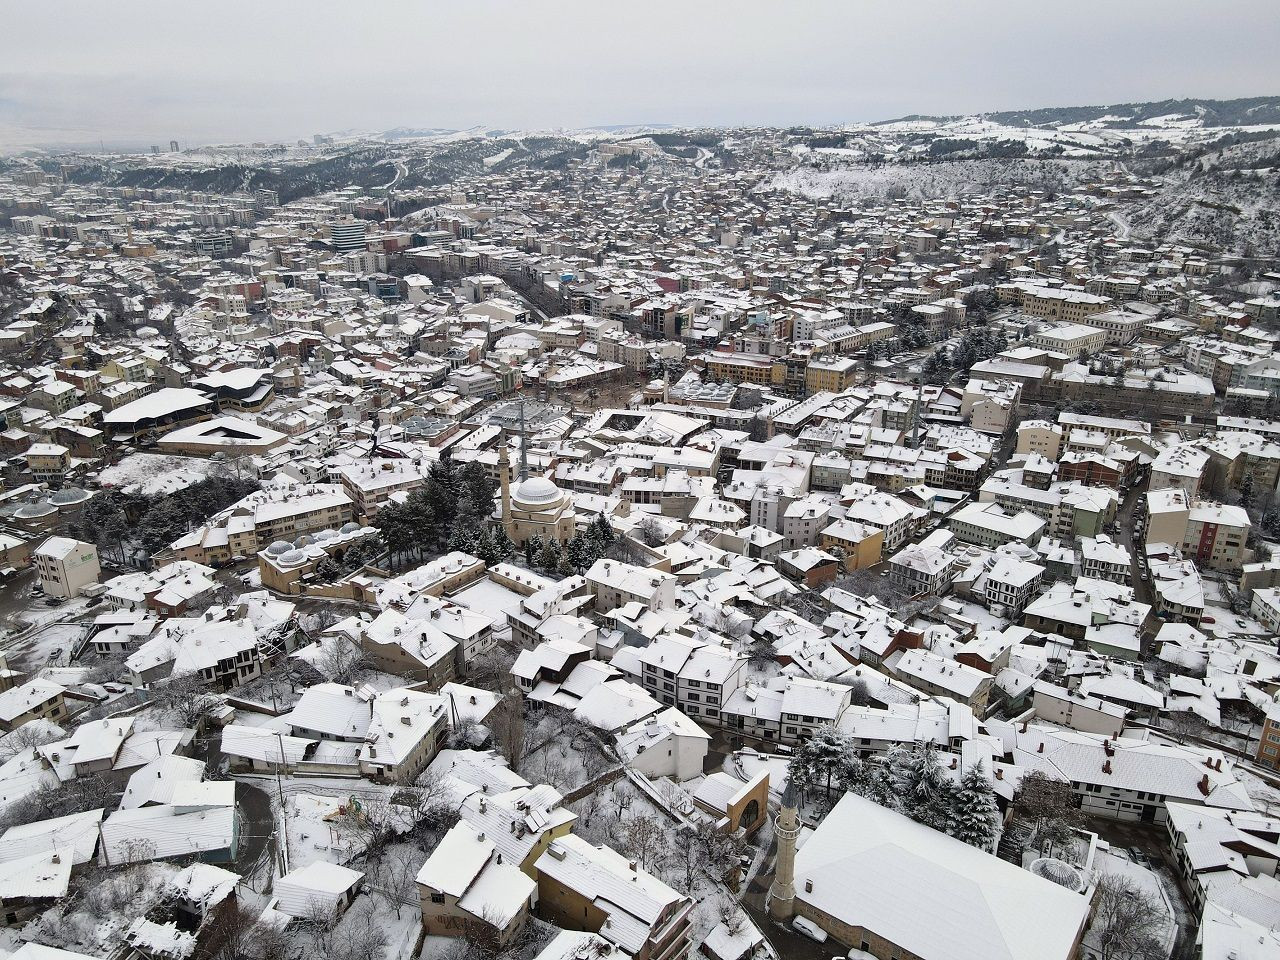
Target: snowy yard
x: 156, y: 474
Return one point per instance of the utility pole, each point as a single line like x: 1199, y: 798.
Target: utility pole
x: 284, y: 823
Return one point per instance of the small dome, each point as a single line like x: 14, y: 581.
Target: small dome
x: 33, y: 511
x: 350, y: 527
x: 304, y: 541
x: 538, y: 490
x: 69, y: 495
x: 292, y: 558
x: 279, y: 547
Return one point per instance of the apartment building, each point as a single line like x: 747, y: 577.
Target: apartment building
x: 66, y: 567
x: 1068, y: 306
x: 650, y: 922
x: 1071, y: 339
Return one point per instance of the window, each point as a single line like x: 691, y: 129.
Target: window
x: 437, y: 898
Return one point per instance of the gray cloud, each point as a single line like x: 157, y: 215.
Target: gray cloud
x: 142, y: 70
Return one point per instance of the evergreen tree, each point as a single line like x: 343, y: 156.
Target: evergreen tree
x: 549, y: 556
x: 466, y: 539
x: 821, y: 760
x: 500, y: 545
x: 532, y: 550
x: 579, y: 553
x: 328, y: 571
x: 867, y: 780
x: 975, y: 819
x: 922, y: 790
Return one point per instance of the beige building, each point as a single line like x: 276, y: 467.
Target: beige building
x: 48, y: 462
x: 1069, y: 306
x: 66, y: 566
x: 1040, y: 436
x: 860, y: 543
x: 866, y: 873
x: 33, y: 700
x: 536, y: 509
x: 407, y: 731
x: 1072, y: 339
x: 651, y: 922
x: 469, y: 890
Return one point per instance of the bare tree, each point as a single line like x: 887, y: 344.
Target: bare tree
x: 1128, y: 920
x: 341, y: 660
x: 137, y: 850
x: 508, y: 725
x: 859, y: 692
x: 395, y: 878
x: 622, y: 800
x: 1184, y: 725
x: 643, y: 837
x: 1046, y: 804
x: 187, y: 696
x: 650, y: 532
x: 32, y: 734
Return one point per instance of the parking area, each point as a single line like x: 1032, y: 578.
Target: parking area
x: 1145, y: 844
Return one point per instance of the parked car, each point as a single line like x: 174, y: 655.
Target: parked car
x: 809, y: 929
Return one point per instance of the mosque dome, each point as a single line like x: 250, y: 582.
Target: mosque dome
x: 538, y: 491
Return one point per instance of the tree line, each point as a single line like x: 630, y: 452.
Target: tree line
x: 118, y: 522
x: 909, y: 780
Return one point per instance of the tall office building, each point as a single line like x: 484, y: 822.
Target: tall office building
x: 347, y: 234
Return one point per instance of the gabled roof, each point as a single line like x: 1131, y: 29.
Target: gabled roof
x: 931, y: 894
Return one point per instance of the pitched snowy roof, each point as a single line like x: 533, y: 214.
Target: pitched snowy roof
x: 930, y: 894
x: 77, y: 832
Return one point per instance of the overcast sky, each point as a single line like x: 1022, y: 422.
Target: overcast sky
x: 148, y: 71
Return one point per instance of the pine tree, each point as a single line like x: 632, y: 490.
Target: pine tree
x: 975, y: 818
x: 502, y: 546
x: 532, y: 550
x: 867, y: 780
x: 922, y: 791
x: 328, y: 571
x: 821, y: 760
x: 549, y: 556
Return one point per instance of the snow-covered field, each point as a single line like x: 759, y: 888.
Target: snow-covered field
x: 155, y: 474
x: 929, y: 180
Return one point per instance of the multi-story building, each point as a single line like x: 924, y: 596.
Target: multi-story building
x: 652, y: 922
x: 66, y: 567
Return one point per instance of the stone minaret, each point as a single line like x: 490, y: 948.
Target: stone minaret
x: 786, y: 828
x: 504, y: 477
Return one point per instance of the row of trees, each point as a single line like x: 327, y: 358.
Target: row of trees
x: 975, y: 345
x: 120, y: 522
x: 575, y: 556
x: 909, y: 780
x: 450, y: 510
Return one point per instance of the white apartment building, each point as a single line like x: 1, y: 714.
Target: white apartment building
x: 66, y: 566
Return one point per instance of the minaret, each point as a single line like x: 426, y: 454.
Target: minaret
x: 786, y: 828
x: 524, y: 446
x: 504, y: 477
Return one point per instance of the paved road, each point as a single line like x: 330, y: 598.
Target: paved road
x: 788, y: 944
x: 1124, y: 519
x: 257, y: 826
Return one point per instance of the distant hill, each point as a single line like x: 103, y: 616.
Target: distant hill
x: 1245, y: 111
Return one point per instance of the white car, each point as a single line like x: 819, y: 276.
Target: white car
x: 809, y: 929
